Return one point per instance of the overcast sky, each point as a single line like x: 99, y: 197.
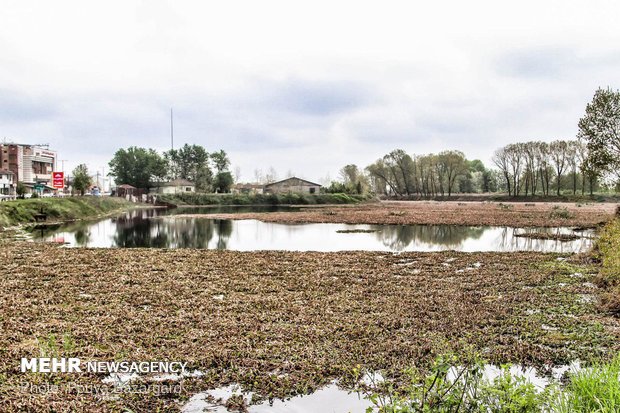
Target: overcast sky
x: 305, y: 86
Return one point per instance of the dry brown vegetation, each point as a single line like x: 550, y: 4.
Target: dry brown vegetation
x: 284, y: 322
x: 517, y: 214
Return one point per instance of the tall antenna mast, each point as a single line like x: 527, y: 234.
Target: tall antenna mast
x: 171, y: 131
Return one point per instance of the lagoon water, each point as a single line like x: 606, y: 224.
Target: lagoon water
x: 159, y: 228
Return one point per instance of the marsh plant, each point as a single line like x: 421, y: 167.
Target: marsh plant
x: 451, y: 385
x: 558, y: 212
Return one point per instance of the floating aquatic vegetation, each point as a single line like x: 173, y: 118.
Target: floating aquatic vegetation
x: 356, y: 231
x: 435, y: 213
x: 548, y: 236
x: 309, y: 317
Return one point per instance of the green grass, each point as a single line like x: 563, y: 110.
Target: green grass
x: 608, y: 247
x: 608, y: 252
x: 262, y: 199
x: 23, y: 210
x: 594, y: 389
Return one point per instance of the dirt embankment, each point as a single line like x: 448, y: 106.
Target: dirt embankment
x: 282, y: 322
x: 524, y: 214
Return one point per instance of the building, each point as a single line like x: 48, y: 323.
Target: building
x: 7, y: 184
x: 252, y: 189
x: 292, y: 184
x: 31, y: 164
x: 176, y: 186
x: 126, y: 190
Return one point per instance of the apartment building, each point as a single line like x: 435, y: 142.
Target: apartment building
x: 30, y: 164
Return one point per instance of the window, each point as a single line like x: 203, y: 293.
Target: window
x: 312, y: 190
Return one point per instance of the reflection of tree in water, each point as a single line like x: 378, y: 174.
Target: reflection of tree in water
x: 172, y: 233
x: 82, y: 236
x: 398, y: 237
x: 509, y: 242
x: 136, y: 230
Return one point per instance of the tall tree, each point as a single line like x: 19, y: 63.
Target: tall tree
x: 81, y: 179
x: 139, y: 167
x: 560, y: 153
x: 599, y: 128
x: 500, y: 159
x: 220, y: 161
x: 453, y: 164
x: 190, y: 162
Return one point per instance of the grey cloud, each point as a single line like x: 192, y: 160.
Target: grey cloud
x: 536, y: 63
x: 20, y: 107
x: 313, y: 98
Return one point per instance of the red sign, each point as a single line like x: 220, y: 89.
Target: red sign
x: 58, y: 179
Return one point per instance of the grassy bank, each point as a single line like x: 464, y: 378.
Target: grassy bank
x: 608, y: 252
x: 23, y: 211
x: 260, y: 199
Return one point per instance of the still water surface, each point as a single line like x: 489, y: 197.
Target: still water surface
x: 162, y: 229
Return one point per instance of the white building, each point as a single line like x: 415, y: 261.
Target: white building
x: 7, y: 184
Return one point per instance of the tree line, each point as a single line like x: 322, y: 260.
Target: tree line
x: 522, y: 168
x: 144, y: 168
x: 530, y: 168
x: 429, y: 175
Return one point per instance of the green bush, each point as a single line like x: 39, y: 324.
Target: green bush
x: 457, y: 385
x: 290, y: 198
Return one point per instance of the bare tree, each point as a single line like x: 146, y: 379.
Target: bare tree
x: 560, y: 153
x: 500, y: 159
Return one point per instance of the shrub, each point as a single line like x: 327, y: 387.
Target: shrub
x: 558, y: 212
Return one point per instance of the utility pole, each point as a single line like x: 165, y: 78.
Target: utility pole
x: 62, y: 162
x: 103, y: 179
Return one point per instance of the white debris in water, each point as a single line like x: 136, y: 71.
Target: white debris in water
x: 477, y: 264
x: 404, y: 263
x: 560, y: 259
x: 218, y: 297
x: 586, y: 298
x: 84, y: 295
x: 120, y: 378
x: 372, y: 378
x: 576, y: 275
x: 459, y: 271
x: 562, y: 284
x: 176, y: 377
x: 589, y: 285
x: 532, y: 312
x: 213, y: 400
x: 549, y: 328
x: 451, y: 259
